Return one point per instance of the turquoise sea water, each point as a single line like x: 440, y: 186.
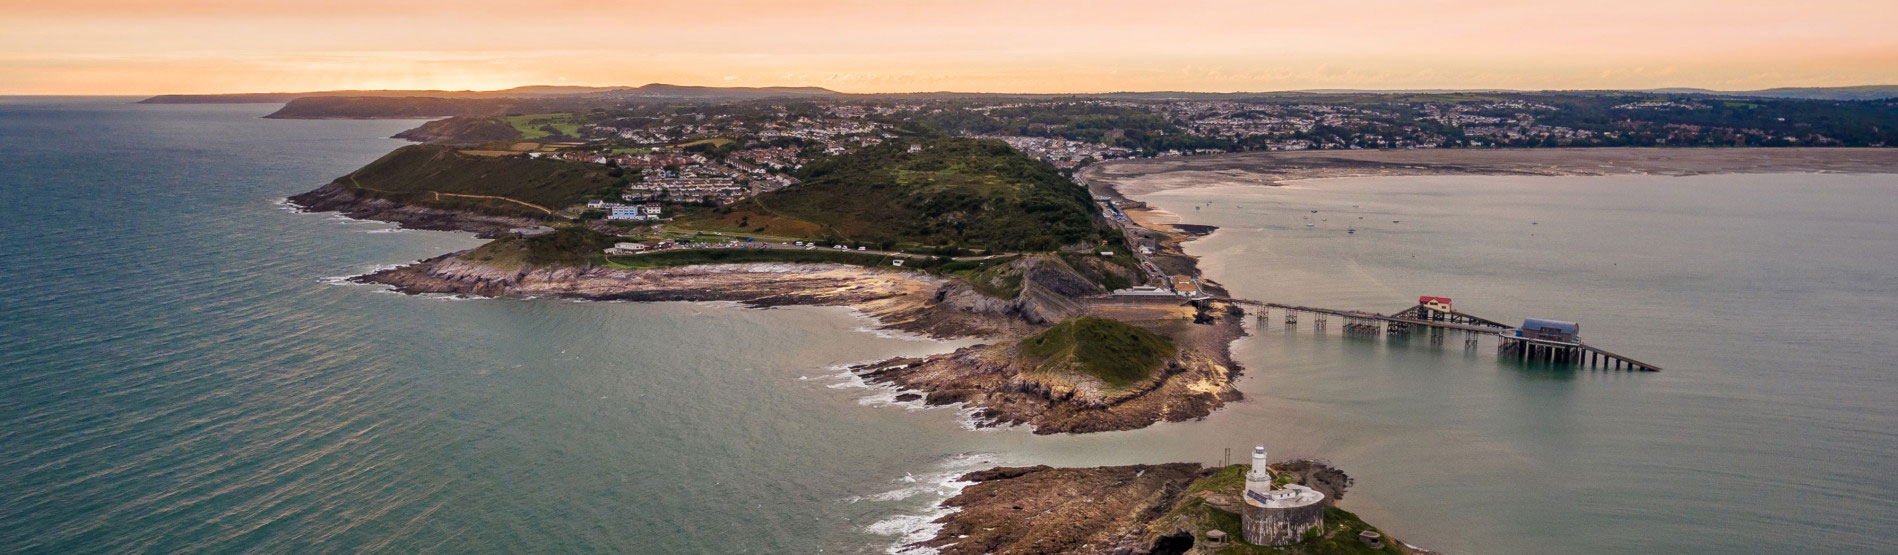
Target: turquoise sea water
x: 180, y: 371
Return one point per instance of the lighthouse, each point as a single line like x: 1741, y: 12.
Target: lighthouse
x: 1260, y: 478
x: 1277, y: 516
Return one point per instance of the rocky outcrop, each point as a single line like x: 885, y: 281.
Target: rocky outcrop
x: 1003, y: 390
x: 1135, y: 509
x: 1060, y: 510
x: 338, y: 197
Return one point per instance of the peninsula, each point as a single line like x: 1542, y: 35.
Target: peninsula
x: 959, y: 216
x: 948, y: 237
x: 1003, y: 218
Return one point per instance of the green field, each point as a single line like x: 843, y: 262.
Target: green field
x: 530, y: 125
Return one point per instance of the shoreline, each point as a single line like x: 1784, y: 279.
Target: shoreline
x: 994, y: 385
x: 1122, y: 180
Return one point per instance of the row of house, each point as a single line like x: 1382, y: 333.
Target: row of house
x: 627, y: 212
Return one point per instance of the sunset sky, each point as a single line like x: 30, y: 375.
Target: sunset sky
x: 205, y: 46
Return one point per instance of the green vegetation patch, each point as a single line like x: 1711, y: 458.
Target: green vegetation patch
x: 569, y: 246
x: 540, y: 126
x: 442, y: 177
x: 1119, y: 354
x: 968, y: 193
x: 693, y: 257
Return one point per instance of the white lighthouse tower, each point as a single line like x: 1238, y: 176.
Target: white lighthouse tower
x: 1260, y: 478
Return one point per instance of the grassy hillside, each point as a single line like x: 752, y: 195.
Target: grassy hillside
x: 971, y: 193
x: 569, y: 246
x: 1119, y: 354
x: 433, y: 175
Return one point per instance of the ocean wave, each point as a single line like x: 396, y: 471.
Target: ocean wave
x: 875, y: 327
x: 881, y: 394
x: 939, y: 484
x: 346, y: 280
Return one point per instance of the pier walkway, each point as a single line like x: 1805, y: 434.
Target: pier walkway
x: 1513, y: 343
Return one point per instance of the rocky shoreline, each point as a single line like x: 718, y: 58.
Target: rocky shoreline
x: 995, y: 381
x: 990, y: 378
x: 908, y: 302
x: 1134, y: 509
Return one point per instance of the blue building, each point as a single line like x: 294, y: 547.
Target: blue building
x: 1549, y: 330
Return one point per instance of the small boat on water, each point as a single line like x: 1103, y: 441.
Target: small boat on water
x: 1352, y: 230
x: 1309, y: 224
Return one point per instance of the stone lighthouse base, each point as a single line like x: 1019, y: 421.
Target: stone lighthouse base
x: 1281, y: 525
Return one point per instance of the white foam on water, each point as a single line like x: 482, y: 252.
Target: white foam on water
x: 940, y: 484
x: 872, y: 326
x: 345, y: 280
x: 880, y: 394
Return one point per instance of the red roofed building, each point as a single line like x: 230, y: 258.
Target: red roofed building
x: 1439, y: 304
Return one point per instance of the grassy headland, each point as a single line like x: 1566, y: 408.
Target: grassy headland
x: 441, y: 177
x: 1118, y: 354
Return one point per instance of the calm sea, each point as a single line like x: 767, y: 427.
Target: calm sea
x: 182, y: 370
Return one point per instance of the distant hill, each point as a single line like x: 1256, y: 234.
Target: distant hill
x: 654, y: 90
x: 1864, y: 92
x: 660, y: 90
x: 966, y: 192
x: 281, y: 97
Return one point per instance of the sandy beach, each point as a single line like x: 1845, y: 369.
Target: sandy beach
x: 1124, y: 179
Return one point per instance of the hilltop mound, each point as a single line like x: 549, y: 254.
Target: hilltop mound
x: 962, y: 192
x: 462, y: 131
x: 1118, y: 354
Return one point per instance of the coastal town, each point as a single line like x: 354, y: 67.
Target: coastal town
x: 667, y: 160
x: 716, y: 154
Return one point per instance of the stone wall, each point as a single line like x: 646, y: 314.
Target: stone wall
x: 1281, y: 526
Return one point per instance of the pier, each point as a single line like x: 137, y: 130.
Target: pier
x: 1556, y: 344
